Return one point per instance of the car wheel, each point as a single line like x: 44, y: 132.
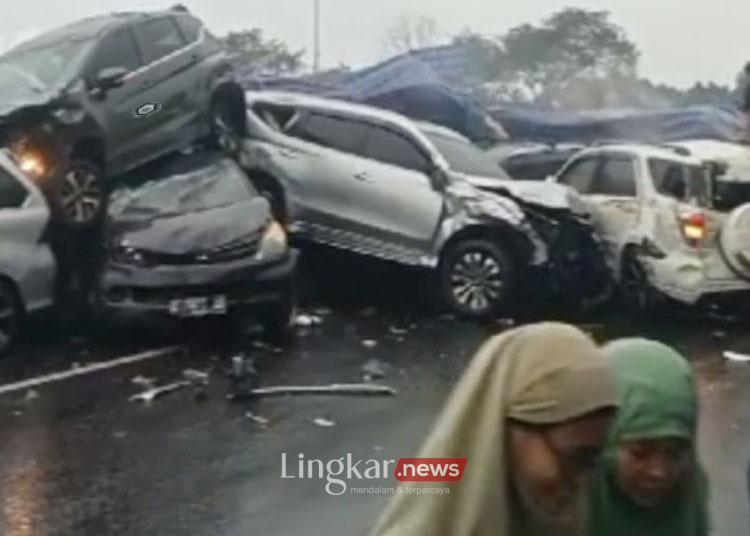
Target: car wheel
x: 10, y: 317
x: 478, y: 278
x: 226, y: 133
x: 81, y: 195
x: 637, y: 293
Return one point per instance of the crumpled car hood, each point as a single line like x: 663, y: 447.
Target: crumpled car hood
x: 17, y: 96
x: 550, y: 195
x: 196, y: 231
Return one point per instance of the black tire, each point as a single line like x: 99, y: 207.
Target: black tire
x: 637, y: 293
x: 478, y: 278
x: 80, y: 196
x: 11, y: 316
x: 226, y: 128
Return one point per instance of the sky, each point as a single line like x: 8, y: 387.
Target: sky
x: 681, y: 41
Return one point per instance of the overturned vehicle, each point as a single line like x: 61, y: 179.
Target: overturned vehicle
x: 378, y: 184
x: 197, y: 241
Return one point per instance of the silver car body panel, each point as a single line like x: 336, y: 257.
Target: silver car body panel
x: 410, y: 228
x: 25, y: 259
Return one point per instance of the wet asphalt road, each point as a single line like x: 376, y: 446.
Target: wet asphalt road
x: 78, y: 458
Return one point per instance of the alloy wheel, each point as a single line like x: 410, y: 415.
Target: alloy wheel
x: 81, y: 195
x: 477, y: 280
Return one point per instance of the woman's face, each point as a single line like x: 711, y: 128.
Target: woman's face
x: 551, y: 465
x: 649, y: 471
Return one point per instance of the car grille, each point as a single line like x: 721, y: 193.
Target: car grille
x: 231, y: 251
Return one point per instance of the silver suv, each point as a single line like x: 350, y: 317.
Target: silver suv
x: 379, y: 184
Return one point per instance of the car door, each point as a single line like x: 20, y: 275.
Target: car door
x: 167, y: 112
x: 24, y: 257
x: 319, y: 164
x: 399, y: 205
x: 114, y: 108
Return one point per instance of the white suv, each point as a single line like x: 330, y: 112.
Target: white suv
x: 665, y: 231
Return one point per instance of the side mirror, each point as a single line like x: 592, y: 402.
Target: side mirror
x: 111, y: 77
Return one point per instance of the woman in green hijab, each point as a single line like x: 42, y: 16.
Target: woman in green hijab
x: 650, y: 482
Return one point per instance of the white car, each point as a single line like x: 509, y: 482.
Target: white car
x: 27, y: 266
x: 666, y: 229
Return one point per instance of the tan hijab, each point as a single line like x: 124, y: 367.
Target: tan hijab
x: 539, y: 374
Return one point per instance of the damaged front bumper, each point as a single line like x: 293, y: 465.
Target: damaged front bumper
x: 128, y: 292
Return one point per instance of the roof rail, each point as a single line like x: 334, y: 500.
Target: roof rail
x: 682, y: 151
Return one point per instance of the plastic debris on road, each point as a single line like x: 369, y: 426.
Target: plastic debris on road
x: 393, y: 330
x: 257, y: 419
x: 142, y: 381
x: 374, y: 369
x: 737, y: 357
x: 152, y: 394
x: 196, y: 376
x: 324, y: 423
x: 369, y: 343
x: 306, y: 321
x: 31, y: 395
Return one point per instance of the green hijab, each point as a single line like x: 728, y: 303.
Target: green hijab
x: 658, y: 399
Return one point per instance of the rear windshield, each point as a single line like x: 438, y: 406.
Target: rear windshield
x: 217, y: 185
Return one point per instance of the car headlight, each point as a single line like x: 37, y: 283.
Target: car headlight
x: 123, y: 253
x: 32, y: 164
x: 274, y: 242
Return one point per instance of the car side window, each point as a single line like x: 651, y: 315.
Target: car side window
x: 190, y: 27
x: 158, y: 38
x: 616, y: 178
x: 580, y: 175
x: 392, y: 148
x: 117, y: 49
x: 332, y: 132
x: 669, y: 178
x: 12, y: 193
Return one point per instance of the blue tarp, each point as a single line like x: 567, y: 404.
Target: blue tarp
x: 662, y: 125
x: 414, y: 84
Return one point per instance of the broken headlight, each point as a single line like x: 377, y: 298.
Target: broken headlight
x: 274, y: 242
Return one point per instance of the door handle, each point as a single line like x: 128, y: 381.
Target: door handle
x: 363, y: 176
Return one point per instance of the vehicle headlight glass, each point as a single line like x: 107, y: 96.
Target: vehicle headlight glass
x: 274, y: 242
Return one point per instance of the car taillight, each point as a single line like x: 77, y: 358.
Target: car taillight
x: 694, y: 228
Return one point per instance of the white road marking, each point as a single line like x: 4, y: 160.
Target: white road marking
x: 88, y: 369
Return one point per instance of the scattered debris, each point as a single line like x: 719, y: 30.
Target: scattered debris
x: 343, y: 389
x: 196, y: 376
x: 398, y: 331
x: 739, y: 358
x: 31, y: 395
x: 17, y: 413
x: 257, y: 419
x: 149, y: 396
x: 242, y: 366
x: 369, y: 343
x: 306, y: 321
x: 324, y: 423
x: 120, y: 435
x: 322, y: 311
x: 142, y: 381
x: 265, y: 347
x: 374, y: 369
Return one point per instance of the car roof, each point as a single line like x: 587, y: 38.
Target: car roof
x: 644, y: 150
x: 333, y: 105
x: 84, y: 29
x: 438, y: 130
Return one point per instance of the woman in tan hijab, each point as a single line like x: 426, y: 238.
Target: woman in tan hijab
x: 531, y: 414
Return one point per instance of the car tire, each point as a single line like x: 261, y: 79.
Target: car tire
x: 637, y: 293
x: 226, y: 131
x: 81, y: 195
x: 478, y: 278
x: 11, y: 314
x: 278, y: 319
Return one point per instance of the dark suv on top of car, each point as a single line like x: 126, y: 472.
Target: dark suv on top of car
x: 103, y: 95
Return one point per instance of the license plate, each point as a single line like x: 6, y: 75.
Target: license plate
x: 197, y: 307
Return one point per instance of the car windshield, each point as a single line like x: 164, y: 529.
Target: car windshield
x: 218, y: 185
x: 464, y: 157
x: 43, y: 66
